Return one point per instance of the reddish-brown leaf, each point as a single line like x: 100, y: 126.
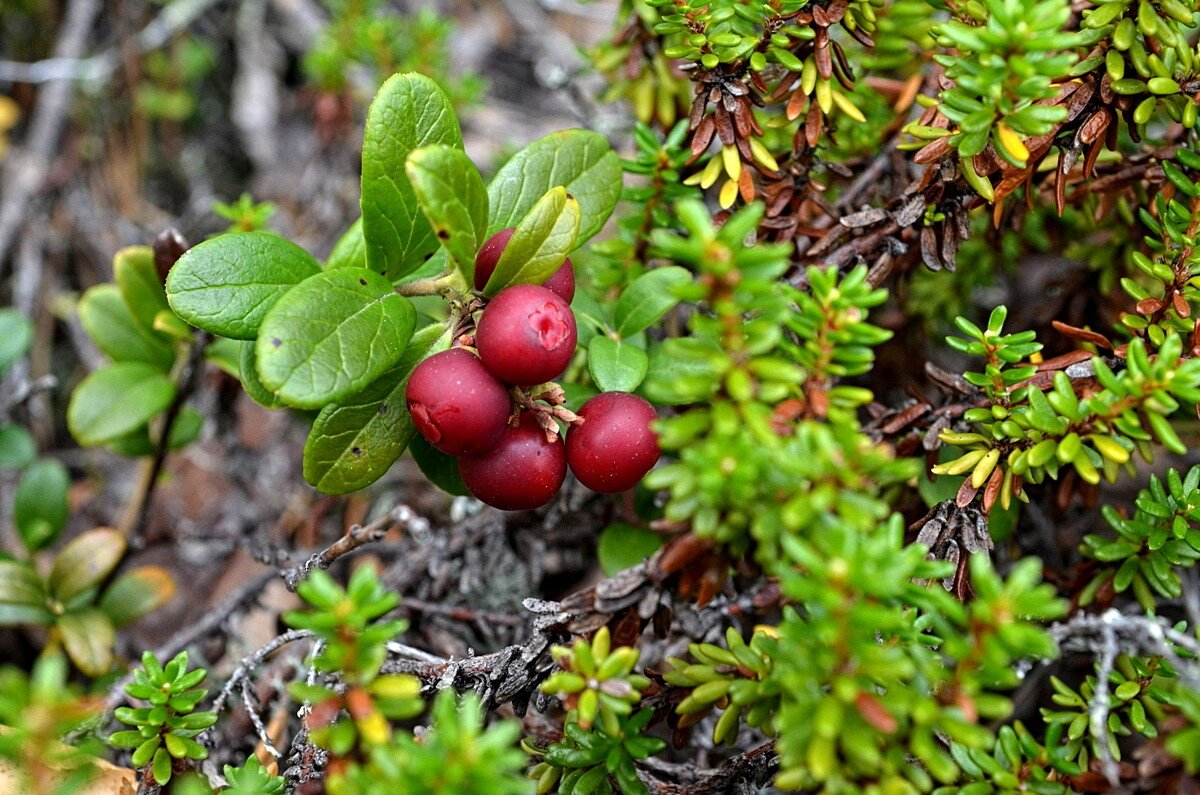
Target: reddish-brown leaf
x: 875, y: 713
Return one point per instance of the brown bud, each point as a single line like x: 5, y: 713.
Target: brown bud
x: 168, y: 248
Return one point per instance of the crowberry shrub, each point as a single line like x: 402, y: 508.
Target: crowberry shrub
x: 876, y: 527
x: 615, y: 446
x: 527, y: 335
x: 456, y: 404
x: 524, y: 470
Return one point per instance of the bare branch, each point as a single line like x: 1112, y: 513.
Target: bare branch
x: 358, y: 536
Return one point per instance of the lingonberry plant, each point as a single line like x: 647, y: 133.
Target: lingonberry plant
x: 871, y: 373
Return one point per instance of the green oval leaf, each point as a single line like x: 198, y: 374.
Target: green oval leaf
x: 135, y: 593
x: 88, y: 636
x: 439, y: 468
x: 622, y: 546
x: 85, y: 562
x: 332, y: 335
x: 108, y: 321
x: 453, y: 198
x: 137, y: 278
x: 226, y: 285
x: 16, y: 334
x: 17, y: 448
x: 116, y: 400
x: 579, y: 160
x: 20, y: 585
x: 185, y: 430
x: 40, y: 503
x: 354, y: 441
x: 350, y: 251
x: 248, y: 373
x: 541, y: 242
x: 409, y: 112
x: 615, y: 366
x: 649, y: 298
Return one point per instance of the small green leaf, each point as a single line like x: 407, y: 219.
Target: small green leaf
x: 439, y: 468
x: 135, y: 593
x: 20, y: 585
x: 350, y: 251
x: 616, y: 366
x: 137, y: 279
x: 185, y: 430
x: 622, y: 546
x: 227, y: 284
x: 226, y: 354
x: 116, y: 400
x: 160, y: 768
x: 16, y: 334
x: 579, y: 160
x: 17, y: 448
x: 453, y: 198
x: 355, y: 440
x: 248, y: 373
x: 409, y: 112
x: 107, y: 320
x: 648, y: 299
x: 331, y: 336
x: 40, y: 504
x: 542, y: 240
x: 85, y: 562
x: 88, y: 637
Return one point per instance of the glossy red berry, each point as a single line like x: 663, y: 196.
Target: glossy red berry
x: 526, y: 335
x: 456, y: 404
x: 561, y: 282
x: 523, y: 471
x: 615, y: 447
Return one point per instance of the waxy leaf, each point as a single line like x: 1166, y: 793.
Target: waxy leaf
x: 107, y: 320
x: 355, y: 440
x: 409, y: 112
x: 85, y: 562
x: 227, y: 284
x: 540, y: 244
x: 649, y: 298
x: 16, y: 334
x: 622, y: 546
x: 116, y: 400
x: 616, y: 366
x: 331, y: 336
x: 248, y: 373
x: 350, y: 251
x: 88, y: 637
x: 439, y: 468
x: 40, y: 503
x: 135, y: 593
x: 453, y: 198
x: 137, y: 278
x: 17, y: 448
x: 185, y: 430
x: 20, y: 587
x: 579, y: 160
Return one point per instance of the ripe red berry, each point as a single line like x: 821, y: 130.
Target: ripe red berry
x: 526, y: 335
x: 615, y: 447
x: 561, y: 282
x: 456, y: 404
x: 522, y: 472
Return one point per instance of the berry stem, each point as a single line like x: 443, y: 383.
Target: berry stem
x: 449, y: 281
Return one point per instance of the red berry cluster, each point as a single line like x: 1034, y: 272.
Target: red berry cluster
x: 480, y: 408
